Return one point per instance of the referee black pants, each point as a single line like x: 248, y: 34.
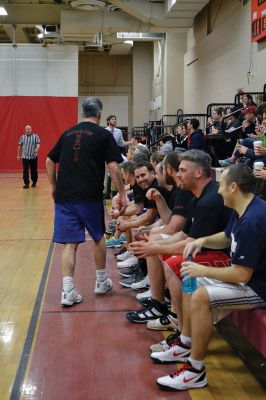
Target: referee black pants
x: 32, y: 165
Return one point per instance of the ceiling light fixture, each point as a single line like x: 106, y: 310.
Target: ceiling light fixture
x: 3, y: 11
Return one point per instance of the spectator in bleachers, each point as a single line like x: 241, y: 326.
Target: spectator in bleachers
x: 248, y: 132
x: 195, y: 138
x: 232, y: 123
x: 215, y: 122
x: 260, y: 173
x: 232, y: 130
x: 249, y: 123
x: 245, y: 100
x: 167, y: 144
x: 242, y: 285
x: 248, y: 101
x: 261, y: 111
x: 136, y: 140
x: 182, y: 136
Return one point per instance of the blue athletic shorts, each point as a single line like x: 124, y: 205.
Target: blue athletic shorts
x: 71, y: 219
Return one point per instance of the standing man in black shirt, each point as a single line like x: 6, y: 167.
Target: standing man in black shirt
x: 82, y: 152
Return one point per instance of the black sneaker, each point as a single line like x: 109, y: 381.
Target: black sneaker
x: 146, y: 300
x: 33, y: 184
x: 136, y: 277
x: 26, y: 186
x: 154, y: 310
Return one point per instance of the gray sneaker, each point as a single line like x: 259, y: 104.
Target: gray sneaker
x: 70, y: 298
x: 128, y: 271
x: 103, y: 287
x: 136, y: 277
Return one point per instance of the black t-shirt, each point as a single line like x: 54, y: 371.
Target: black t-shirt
x: 207, y: 213
x: 248, y: 242
x: 179, y: 201
x: 139, y: 195
x: 81, y: 152
x: 249, y: 129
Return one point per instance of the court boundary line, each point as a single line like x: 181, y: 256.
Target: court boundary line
x: 84, y: 311
x: 25, y: 355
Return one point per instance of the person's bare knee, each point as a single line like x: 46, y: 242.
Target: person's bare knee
x: 200, y: 299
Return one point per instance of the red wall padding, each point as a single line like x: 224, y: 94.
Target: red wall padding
x: 48, y: 116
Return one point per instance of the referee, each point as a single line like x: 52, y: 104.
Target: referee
x: 30, y: 145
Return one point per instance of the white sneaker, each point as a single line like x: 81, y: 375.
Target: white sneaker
x: 142, y: 284
x: 177, y: 352
x: 163, y: 323
x: 162, y: 346
x: 69, y: 298
x: 144, y: 295
x: 185, y: 378
x: 124, y: 256
x: 103, y: 287
x: 132, y: 260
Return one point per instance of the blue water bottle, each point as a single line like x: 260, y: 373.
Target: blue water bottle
x: 190, y: 285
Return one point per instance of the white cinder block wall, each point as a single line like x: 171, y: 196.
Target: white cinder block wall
x: 225, y: 58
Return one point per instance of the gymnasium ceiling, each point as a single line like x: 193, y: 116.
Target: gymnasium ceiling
x: 93, y: 24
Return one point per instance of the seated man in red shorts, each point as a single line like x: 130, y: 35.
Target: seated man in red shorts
x: 207, y: 215
x: 242, y: 285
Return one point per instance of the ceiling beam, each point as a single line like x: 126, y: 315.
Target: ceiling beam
x: 20, y: 36
x: 43, y: 14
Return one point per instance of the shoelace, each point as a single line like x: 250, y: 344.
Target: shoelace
x: 176, y: 342
x: 180, y: 371
x: 171, y: 338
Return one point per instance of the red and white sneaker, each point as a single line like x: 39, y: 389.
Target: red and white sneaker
x: 185, y: 378
x: 178, y: 352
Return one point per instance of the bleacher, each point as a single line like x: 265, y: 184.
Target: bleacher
x: 153, y: 130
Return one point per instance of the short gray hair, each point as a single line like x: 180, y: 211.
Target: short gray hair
x: 200, y: 158
x: 91, y: 107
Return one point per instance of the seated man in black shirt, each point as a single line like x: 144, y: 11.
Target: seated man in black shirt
x: 145, y: 179
x: 207, y: 215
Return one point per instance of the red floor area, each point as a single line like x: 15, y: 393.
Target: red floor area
x: 90, y: 351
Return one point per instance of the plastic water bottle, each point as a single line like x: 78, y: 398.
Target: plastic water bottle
x: 189, y: 286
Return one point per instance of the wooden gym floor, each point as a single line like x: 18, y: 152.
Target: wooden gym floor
x: 87, y: 352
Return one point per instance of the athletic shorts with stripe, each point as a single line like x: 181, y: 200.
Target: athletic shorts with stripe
x: 224, y: 297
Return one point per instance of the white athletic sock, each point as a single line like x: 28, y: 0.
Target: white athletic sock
x: 101, y: 275
x: 197, y: 364
x: 68, y: 283
x: 186, y: 340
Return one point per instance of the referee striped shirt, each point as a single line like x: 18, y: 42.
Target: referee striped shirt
x: 28, y: 144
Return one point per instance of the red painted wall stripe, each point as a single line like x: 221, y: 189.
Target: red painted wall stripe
x: 48, y: 116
